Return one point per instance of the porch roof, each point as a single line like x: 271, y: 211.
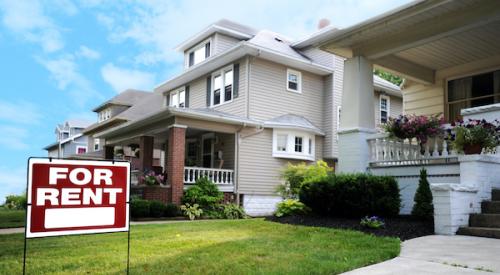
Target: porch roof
x: 420, y: 38
x: 290, y: 121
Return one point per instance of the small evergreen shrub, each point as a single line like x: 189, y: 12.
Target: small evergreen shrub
x: 172, y: 210
x: 423, y: 207
x: 156, y: 209
x: 296, y: 175
x: 352, y: 195
x: 139, y: 208
x: 233, y: 211
x: 291, y: 207
x: 204, y: 193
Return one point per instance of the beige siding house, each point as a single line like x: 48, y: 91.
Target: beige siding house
x: 246, y: 104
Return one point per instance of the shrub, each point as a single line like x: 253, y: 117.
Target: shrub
x: 156, y: 209
x: 423, y: 208
x: 372, y: 222
x: 296, y: 175
x: 291, y: 207
x: 191, y: 211
x: 352, y: 195
x: 233, y: 211
x: 171, y: 210
x: 17, y: 202
x: 204, y: 193
x: 139, y: 208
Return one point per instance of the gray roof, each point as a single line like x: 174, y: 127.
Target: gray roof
x: 276, y: 42
x: 128, y: 98
x: 148, y: 104
x: 235, y: 26
x: 290, y: 121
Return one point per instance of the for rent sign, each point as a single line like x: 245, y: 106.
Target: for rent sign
x: 68, y: 197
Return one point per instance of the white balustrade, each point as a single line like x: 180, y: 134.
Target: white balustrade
x: 218, y: 176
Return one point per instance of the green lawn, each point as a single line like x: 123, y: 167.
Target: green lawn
x: 250, y: 246
x: 11, y: 218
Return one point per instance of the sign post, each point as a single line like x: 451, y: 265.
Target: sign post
x: 72, y: 197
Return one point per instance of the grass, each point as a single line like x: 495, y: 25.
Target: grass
x: 11, y: 218
x: 251, y: 246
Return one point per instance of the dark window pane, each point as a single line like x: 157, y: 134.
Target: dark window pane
x: 482, y: 85
x: 383, y: 116
x: 292, y: 85
x: 191, y: 59
x: 228, y: 92
x: 217, y: 97
x: 207, y: 50
x: 298, y: 144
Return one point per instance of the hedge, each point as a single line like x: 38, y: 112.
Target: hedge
x: 352, y: 195
x: 152, y: 209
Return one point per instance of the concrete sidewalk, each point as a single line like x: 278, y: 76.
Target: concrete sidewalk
x: 441, y: 255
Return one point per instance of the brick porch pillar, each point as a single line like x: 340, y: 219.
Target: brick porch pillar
x: 146, y: 153
x: 175, y: 162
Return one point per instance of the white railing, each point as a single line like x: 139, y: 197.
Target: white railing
x: 134, y: 177
x: 386, y: 151
x: 218, y: 176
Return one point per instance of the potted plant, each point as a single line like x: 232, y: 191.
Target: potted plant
x: 474, y: 136
x: 150, y: 178
x: 412, y: 126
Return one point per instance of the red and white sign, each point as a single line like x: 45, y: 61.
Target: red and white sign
x: 67, y: 197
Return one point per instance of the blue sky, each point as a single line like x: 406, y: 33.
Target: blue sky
x: 61, y: 58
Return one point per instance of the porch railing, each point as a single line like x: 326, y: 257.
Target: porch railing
x: 218, y: 176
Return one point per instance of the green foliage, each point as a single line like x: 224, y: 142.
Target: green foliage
x: 353, y: 195
x: 139, y: 208
x: 372, y: 222
x: 291, y: 207
x: 172, y: 210
x: 423, y: 208
x: 17, y: 202
x: 296, y: 175
x: 204, y: 193
x: 191, y: 211
x: 233, y: 211
x: 476, y: 132
x: 388, y: 76
x: 156, y: 209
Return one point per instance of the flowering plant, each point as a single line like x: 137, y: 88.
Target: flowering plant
x: 413, y: 126
x: 151, y: 178
x: 373, y: 222
x: 473, y: 135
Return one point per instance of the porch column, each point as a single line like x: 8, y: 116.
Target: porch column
x: 357, y: 112
x: 146, y: 153
x: 109, y: 152
x: 175, y: 162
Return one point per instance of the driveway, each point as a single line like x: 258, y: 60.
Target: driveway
x: 441, y: 255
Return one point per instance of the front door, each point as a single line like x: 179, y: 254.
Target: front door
x: 207, y: 149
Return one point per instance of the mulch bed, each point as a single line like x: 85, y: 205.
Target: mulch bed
x: 404, y: 227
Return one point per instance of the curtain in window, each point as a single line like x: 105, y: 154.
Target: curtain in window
x: 459, y: 90
x: 496, y: 86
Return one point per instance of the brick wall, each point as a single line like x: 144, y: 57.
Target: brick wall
x: 156, y: 193
x: 175, y: 162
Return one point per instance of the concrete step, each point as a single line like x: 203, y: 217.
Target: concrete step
x: 490, y: 207
x: 486, y: 232
x: 495, y: 194
x: 484, y: 220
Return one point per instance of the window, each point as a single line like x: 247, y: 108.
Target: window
x: 294, y: 81
x: 222, y: 90
x: 293, y: 144
x: 384, y: 108
x: 198, y: 53
x: 96, y: 144
x: 178, y: 98
x: 104, y: 115
x: 473, y: 91
x: 81, y: 149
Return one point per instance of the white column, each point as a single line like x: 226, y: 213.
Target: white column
x: 357, y: 116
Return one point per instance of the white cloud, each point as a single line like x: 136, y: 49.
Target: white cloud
x: 121, y: 79
x: 13, y: 137
x: 10, y: 112
x: 27, y: 19
x: 12, y: 181
x: 86, y: 52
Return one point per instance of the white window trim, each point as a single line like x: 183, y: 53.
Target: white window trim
x: 221, y: 72
x: 388, y: 109
x: 339, y: 110
x: 290, y: 147
x: 80, y: 147
x: 105, y: 114
x: 198, y: 46
x: 299, y: 81
x: 177, y: 93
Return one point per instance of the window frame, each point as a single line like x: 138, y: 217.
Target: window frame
x: 195, y: 48
x: 177, y: 93
x: 308, y: 145
x: 104, y: 115
x: 222, y: 74
x: 299, y: 80
x: 96, y: 142
x: 387, y: 109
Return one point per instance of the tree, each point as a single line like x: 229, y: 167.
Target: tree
x: 388, y: 76
x: 423, y: 208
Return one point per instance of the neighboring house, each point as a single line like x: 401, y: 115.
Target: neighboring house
x: 449, y: 52
x: 246, y: 104
x: 70, y: 139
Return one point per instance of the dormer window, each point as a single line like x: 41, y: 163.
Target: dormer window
x: 104, y: 115
x: 178, y: 98
x: 198, y: 53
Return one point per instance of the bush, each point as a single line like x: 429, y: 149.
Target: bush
x: 352, y: 195
x: 204, y: 193
x: 17, y: 202
x: 139, y: 208
x: 191, y: 211
x: 291, y: 207
x: 233, y: 211
x: 423, y: 208
x: 156, y: 209
x: 296, y: 175
x: 373, y: 222
x: 172, y: 210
